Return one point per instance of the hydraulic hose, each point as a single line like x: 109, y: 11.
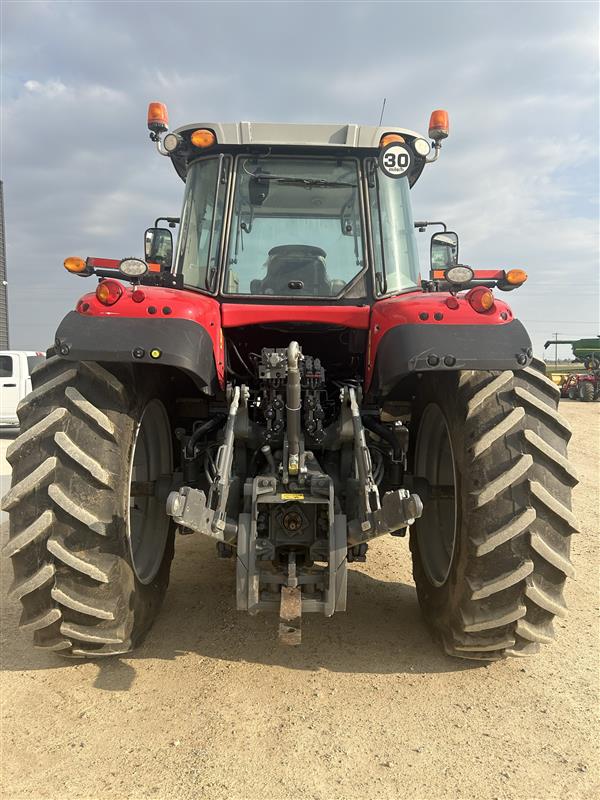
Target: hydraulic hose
x: 213, y: 422
x: 384, y: 433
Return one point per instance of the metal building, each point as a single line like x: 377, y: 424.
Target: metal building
x: 3, y: 281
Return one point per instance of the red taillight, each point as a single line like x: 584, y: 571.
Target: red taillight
x: 138, y: 296
x: 108, y: 292
x: 480, y: 299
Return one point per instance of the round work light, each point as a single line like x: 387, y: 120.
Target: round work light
x: 133, y: 267
x: 458, y: 275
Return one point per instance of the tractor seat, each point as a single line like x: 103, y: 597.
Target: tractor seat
x: 294, y: 269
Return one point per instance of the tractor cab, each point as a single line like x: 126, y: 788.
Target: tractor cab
x: 297, y: 213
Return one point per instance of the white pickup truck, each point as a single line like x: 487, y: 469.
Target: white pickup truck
x: 15, y: 382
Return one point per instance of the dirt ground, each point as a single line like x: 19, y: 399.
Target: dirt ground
x: 367, y: 707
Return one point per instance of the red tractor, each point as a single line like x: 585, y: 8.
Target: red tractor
x: 286, y: 382
x: 582, y: 386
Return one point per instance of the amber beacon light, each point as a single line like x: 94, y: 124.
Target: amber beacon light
x: 439, y: 125
x: 158, y: 118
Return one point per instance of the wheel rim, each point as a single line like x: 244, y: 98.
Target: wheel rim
x: 434, y: 461
x: 147, y: 521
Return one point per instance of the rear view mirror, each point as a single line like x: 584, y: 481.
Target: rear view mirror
x: 444, y: 250
x: 158, y: 247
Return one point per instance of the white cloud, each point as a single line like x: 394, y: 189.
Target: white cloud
x: 49, y: 88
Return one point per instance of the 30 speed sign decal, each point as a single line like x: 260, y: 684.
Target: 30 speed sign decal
x: 394, y: 160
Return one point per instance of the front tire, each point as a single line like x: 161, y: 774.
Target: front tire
x: 90, y: 569
x: 491, y: 551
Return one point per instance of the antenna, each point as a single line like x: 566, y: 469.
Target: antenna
x: 382, y: 110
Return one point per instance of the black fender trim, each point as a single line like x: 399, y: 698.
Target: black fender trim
x: 182, y: 343
x: 407, y: 349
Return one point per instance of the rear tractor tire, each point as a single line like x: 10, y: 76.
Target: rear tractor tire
x: 91, y: 564
x: 491, y: 551
x: 586, y: 391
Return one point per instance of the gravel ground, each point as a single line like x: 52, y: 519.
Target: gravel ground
x: 212, y: 707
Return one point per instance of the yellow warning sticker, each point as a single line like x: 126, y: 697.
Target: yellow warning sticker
x: 292, y: 496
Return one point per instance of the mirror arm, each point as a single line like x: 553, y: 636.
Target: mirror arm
x: 172, y: 221
x: 422, y: 225
x: 159, y: 145
x: 437, y: 146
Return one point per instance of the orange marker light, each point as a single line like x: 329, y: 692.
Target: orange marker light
x: 487, y: 300
x: 388, y: 138
x: 515, y: 277
x: 158, y: 117
x: 439, y: 125
x: 75, y: 264
x: 203, y: 138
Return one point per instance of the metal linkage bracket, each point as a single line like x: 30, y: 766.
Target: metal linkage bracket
x: 259, y: 585
x: 190, y: 508
x: 399, y: 508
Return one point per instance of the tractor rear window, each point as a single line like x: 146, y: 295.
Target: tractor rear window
x: 296, y: 228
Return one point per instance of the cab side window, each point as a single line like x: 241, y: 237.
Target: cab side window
x: 202, y: 222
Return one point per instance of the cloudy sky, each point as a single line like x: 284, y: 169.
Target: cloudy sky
x: 518, y: 178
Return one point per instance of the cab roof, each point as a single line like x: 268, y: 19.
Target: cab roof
x: 285, y: 134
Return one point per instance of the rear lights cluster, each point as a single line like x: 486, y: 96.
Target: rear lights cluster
x: 480, y: 299
x: 108, y: 292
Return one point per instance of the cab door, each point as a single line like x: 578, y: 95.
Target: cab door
x: 9, y: 388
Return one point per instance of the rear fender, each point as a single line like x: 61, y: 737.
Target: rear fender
x: 168, y: 328
x: 419, y: 332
